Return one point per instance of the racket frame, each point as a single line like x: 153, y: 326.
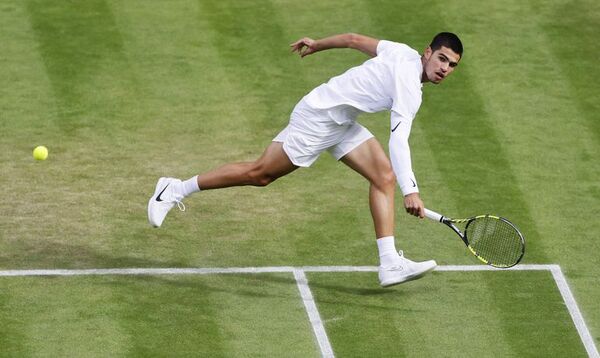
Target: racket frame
x: 432, y: 215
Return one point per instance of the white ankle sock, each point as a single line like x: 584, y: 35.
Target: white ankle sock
x: 388, y: 255
x: 190, y: 186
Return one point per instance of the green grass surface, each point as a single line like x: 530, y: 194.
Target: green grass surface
x: 448, y: 316
x: 256, y: 315
x: 123, y: 92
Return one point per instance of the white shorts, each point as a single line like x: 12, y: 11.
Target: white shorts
x: 312, y: 131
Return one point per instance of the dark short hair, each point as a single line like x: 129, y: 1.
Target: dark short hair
x: 449, y: 40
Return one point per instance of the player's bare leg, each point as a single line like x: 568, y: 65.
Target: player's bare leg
x: 272, y: 164
x: 370, y: 160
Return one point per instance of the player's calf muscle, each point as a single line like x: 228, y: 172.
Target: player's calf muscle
x: 233, y: 174
x: 240, y: 174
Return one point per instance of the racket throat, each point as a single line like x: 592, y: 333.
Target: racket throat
x: 458, y: 232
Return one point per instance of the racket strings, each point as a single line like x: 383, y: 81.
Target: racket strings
x: 495, y: 240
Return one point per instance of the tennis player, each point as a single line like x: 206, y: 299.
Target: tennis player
x: 326, y: 120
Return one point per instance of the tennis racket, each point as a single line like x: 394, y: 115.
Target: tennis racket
x: 492, y: 239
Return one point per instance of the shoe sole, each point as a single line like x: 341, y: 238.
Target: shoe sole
x: 412, y: 277
x: 159, y: 186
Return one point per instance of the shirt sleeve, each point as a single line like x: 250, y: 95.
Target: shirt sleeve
x: 400, y: 153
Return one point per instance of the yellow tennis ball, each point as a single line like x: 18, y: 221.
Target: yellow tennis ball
x: 40, y: 153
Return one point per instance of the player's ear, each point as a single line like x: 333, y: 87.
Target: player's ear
x: 427, y: 53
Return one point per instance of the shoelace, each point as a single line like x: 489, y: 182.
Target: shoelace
x: 180, y: 205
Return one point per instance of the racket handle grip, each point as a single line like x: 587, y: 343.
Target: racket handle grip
x: 433, y: 215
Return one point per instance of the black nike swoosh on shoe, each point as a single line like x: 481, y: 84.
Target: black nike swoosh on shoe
x: 165, y: 188
x: 393, y: 129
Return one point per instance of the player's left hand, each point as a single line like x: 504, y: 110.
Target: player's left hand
x: 414, y: 205
x: 305, y: 46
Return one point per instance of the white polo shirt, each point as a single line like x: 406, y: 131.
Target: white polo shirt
x: 390, y: 81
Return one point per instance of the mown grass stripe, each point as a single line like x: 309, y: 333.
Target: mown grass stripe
x: 571, y: 36
x: 12, y: 341
x: 190, y: 322
x: 240, y: 33
x: 59, y: 318
x: 82, y: 50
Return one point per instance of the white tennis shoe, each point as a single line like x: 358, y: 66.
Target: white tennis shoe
x: 164, y: 198
x: 404, y: 270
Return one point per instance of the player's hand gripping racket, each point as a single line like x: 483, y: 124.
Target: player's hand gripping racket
x: 492, y: 239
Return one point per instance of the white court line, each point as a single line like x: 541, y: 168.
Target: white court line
x: 313, y: 314
x: 146, y: 271
x: 225, y: 270
x: 569, y: 299
x: 302, y: 283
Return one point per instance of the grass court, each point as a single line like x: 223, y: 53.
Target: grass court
x: 123, y: 92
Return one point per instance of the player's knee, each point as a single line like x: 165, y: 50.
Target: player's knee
x: 386, y: 180
x: 259, y: 177
x: 263, y: 180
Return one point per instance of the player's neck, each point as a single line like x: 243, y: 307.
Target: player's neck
x: 424, y: 78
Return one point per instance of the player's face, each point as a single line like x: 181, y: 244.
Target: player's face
x: 439, y: 64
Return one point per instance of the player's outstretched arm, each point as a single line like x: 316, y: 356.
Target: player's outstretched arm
x: 307, y: 46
